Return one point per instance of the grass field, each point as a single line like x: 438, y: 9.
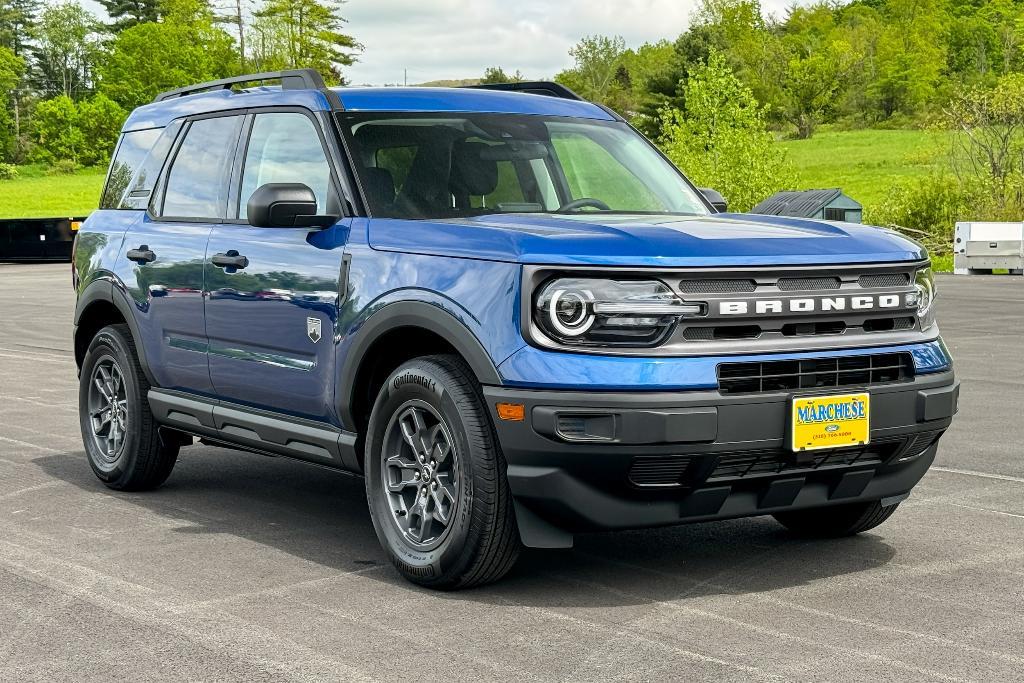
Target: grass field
x: 33, y: 194
x: 864, y: 163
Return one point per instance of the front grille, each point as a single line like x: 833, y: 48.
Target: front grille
x: 789, y: 284
x: 717, y: 286
x: 804, y: 329
x: 658, y: 470
x: 889, y: 324
x: 722, y: 332
x: 884, y: 280
x: 789, y: 375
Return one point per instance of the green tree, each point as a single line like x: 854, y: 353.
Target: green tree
x: 596, y: 74
x: 292, y: 34
x: 814, y: 73
x: 185, y: 47
x: 665, y: 89
x: 66, y: 49
x: 495, y: 74
x: 910, y: 56
x: 100, y: 120
x: 988, y: 149
x: 55, y: 130
x: 81, y: 132
x: 721, y: 140
x: 128, y: 13
x: 12, y: 67
x: 17, y: 17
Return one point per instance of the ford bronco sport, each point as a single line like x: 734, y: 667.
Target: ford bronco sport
x: 505, y: 309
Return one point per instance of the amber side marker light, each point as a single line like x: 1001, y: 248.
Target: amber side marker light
x: 512, y: 412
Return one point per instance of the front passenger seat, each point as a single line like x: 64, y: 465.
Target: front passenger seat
x: 472, y: 175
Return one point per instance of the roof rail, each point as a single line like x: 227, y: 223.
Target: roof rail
x: 294, y: 79
x: 548, y: 88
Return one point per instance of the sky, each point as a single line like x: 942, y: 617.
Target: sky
x: 454, y: 39
x: 451, y: 39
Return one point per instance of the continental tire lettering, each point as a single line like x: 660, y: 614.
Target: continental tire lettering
x: 412, y: 378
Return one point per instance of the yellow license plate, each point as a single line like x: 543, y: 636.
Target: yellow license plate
x: 830, y: 421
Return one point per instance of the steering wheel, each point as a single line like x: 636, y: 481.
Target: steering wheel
x: 582, y: 202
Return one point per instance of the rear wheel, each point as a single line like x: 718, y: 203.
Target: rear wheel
x: 122, y: 441
x: 841, y: 520
x: 435, y: 478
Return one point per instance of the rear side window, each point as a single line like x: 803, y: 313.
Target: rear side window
x: 197, y: 183
x: 131, y: 151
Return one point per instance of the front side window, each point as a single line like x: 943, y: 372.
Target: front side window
x: 447, y: 166
x: 198, y: 180
x: 285, y: 148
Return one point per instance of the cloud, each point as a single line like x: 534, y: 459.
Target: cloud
x: 449, y: 39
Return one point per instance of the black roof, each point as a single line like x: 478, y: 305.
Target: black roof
x: 803, y: 204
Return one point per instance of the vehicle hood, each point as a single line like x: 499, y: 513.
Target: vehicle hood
x: 645, y: 241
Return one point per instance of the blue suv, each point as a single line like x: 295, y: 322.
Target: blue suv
x: 505, y: 309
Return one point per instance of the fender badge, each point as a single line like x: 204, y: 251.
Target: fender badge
x: 313, y: 329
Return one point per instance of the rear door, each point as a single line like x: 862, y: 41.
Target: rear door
x: 271, y: 322
x: 165, y: 249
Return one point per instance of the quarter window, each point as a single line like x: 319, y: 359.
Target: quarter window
x: 133, y: 148
x: 285, y: 148
x: 197, y: 183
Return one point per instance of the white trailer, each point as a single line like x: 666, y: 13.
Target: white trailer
x: 982, y: 247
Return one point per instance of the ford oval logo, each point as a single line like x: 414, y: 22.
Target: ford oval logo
x: 832, y: 428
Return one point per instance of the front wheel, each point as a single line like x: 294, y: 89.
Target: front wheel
x: 435, y: 478
x: 122, y: 440
x: 834, y: 522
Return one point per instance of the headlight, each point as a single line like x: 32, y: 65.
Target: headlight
x: 591, y: 311
x: 924, y: 283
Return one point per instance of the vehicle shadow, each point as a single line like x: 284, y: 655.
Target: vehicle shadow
x: 321, y: 516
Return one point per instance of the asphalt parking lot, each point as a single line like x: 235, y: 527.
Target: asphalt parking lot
x: 250, y: 568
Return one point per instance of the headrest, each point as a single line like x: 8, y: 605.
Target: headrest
x: 472, y: 174
x: 379, y: 185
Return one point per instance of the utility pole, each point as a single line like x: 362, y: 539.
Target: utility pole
x: 17, y: 124
x: 241, y: 30
x: 405, y: 77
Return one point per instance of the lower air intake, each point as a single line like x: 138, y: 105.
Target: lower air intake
x: 658, y: 470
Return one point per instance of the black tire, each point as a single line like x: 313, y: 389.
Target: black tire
x: 480, y: 543
x: 834, y: 522
x: 141, y: 459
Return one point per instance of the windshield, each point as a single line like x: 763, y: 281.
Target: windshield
x: 414, y: 165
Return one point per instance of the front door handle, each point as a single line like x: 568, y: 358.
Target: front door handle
x: 231, y: 259
x: 141, y: 255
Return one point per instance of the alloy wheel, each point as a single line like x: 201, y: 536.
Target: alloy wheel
x: 108, y: 409
x: 420, y: 474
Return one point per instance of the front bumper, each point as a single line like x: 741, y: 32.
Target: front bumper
x: 668, y: 458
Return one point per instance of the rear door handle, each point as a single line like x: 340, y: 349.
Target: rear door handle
x: 232, y: 259
x: 141, y: 255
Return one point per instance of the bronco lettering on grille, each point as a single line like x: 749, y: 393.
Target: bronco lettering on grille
x: 809, y: 304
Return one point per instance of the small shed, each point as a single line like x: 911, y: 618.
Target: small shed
x: 830, y: 205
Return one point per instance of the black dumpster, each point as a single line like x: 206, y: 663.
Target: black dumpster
x: 37, y: 239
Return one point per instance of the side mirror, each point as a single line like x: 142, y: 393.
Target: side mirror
x: 285, y: 205
x: 715, y: 198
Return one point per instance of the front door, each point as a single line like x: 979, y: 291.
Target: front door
x: 272, y: 293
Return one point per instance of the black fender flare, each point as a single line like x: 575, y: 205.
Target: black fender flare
x: 430, y: 317
x: 106, y: 290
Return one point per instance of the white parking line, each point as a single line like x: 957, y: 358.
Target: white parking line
x: 29, y: 445
x: 983, y: 475
x: 978, y: 509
